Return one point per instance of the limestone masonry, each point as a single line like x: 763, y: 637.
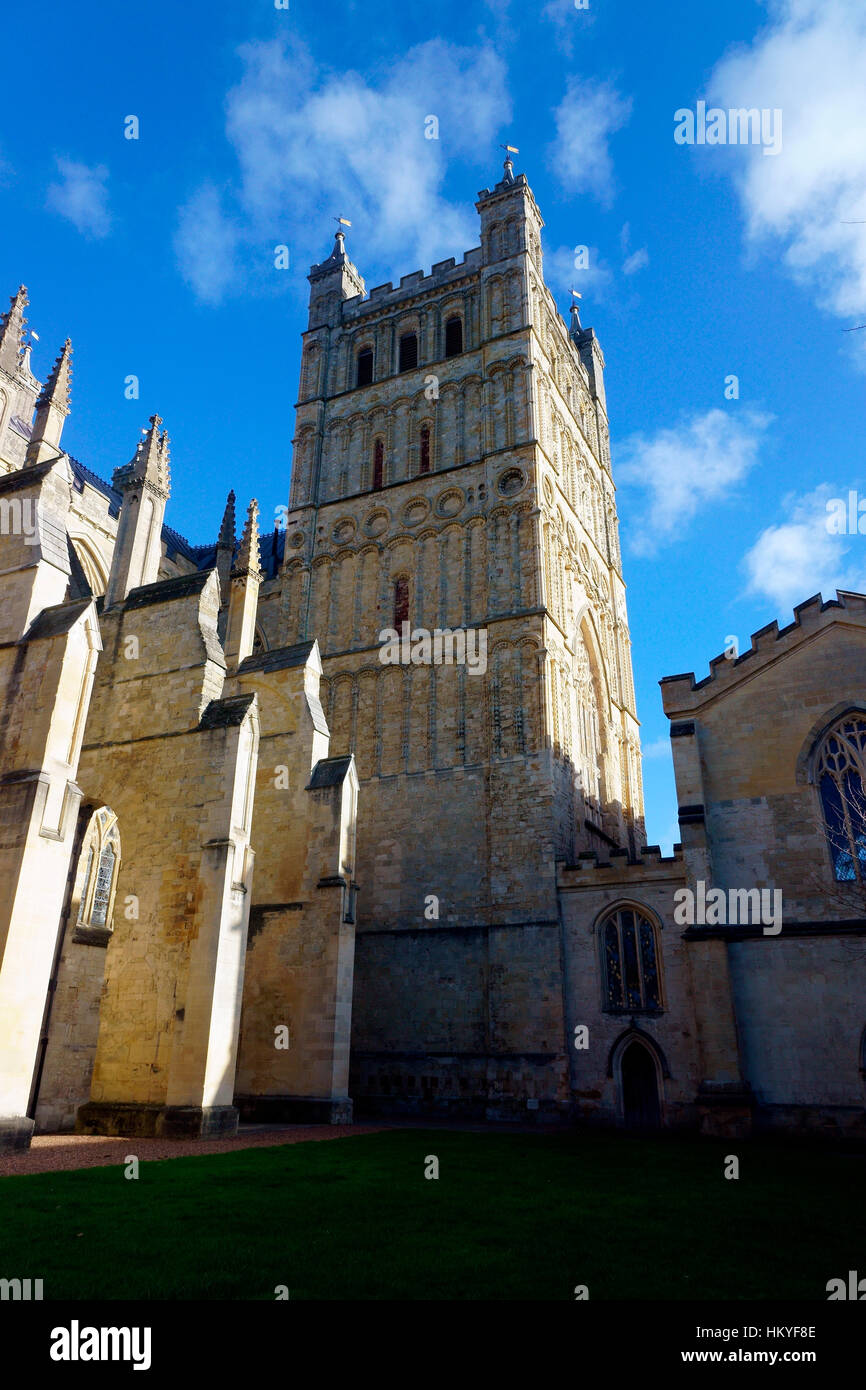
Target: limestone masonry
x: 252, y: 868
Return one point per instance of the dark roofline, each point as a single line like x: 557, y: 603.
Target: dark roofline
x: 175, y: 542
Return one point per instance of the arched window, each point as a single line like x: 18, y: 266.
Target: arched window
x: 840, y: 773
x: 365, y: 367
x: 630, y: 963
x: 96, y: 877
x: 453, y: 337
x: 401, y: 602
x: 408, y: 352
x: 378, y: 465
x: 425, y: 449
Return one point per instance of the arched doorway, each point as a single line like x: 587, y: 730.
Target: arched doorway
x: 640, y: 1091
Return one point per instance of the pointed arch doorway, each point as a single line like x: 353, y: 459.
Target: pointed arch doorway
x: 639, y: 1088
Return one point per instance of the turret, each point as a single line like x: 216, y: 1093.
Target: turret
x: 510, y: 220
x: 331, y: 282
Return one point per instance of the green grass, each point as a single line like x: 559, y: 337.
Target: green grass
x: 512, y: 1216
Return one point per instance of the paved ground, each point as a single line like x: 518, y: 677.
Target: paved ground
x: 50, y: 1152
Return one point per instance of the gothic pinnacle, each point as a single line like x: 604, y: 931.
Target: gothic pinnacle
x: 12, y: 330
x: 249, y: 559
x: 56, y: 390
x: 150, y: 462
x: 227, y: 529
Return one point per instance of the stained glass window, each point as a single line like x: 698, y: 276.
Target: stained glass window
x: 101, y: 857
x: 102, y: 892
x: 630, y: 962
x: 840, y: 772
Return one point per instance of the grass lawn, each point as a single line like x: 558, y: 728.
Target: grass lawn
x: 512, y: 1216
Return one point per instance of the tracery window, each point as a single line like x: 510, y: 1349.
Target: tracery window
x: 97, y: 873
x: 630, y: 961
x: 840, y: 773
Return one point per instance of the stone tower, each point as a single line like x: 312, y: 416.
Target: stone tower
x: 452, y: 471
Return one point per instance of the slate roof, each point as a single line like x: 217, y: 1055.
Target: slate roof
x: 272, y: 544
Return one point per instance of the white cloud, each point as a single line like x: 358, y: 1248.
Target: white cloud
x: 589, y: 113
x: 569, y: 19
x: 636, y: 261
x: 591, y: 281
x: 809, y: 63
x: 798, y: 556
x: 312, y: 144
x: 205, y: 245
x: 659, y: 748
x: 81, y: 196
x: 700, y: 460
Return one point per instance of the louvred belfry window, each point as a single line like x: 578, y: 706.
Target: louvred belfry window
x: 408, y: 352
x: 425, y: 449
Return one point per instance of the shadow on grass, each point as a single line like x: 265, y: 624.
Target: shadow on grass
x: 511, y: 1216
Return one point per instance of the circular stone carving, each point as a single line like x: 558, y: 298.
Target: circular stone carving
x: 451, y: 502
x: 415, y: 511
x: 296, y: 540
x: 344, y: 531
x: 377, y: 522
x: 548, y: 492
x: 512, y: 481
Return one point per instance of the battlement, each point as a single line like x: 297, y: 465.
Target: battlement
x: 620, y: 869
x: 415, y: 283
x: 682, y: 692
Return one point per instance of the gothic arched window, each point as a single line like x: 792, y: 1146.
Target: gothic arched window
x: 453, y: 337
x: 425, y: 449
x: 408, y: 352
x: 96, y: 877
x: 378, y: 465
x: 401, y: 602
x: 364, y: 374
x: 840, y: 774
x: 630, y: 962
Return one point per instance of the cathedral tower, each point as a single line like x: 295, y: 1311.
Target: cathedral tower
x: 452, y: 471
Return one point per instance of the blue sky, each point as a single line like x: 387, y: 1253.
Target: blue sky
x: 258, y: 125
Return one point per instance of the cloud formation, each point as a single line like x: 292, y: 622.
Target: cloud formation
x: 81, y: 196
x: 586, y: 118
x: 312, y: 144
x: 810, y: 63
x: 681, y: 470
x: 798, y: 556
